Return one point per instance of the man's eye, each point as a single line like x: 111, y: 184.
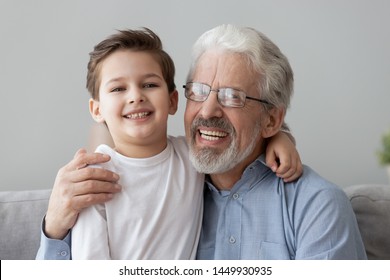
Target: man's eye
x: 231, y: 94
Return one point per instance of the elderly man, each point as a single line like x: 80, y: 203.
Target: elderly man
x: 238, y: 89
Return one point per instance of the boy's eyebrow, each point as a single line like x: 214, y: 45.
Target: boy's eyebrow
x: 149, y: 75
x: 114, y: 80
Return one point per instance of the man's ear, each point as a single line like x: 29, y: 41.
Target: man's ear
x: 273, y: 122
x: 94, y: 109
x: 173, y: 101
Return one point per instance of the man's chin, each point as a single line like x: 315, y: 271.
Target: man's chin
x: 208, y: 161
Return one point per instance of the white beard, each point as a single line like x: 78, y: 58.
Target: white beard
x: 208, y: 161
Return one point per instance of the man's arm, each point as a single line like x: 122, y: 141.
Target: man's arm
x: 75, y: 188
x: 54, y: 249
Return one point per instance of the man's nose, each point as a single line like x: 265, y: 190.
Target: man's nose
x: 211, y: 107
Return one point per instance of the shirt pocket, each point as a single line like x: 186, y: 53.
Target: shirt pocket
x: 273, y: 251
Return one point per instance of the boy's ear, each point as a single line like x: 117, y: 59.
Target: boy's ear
x: 173, y: 101
x: 272, y: 122
x: 94, y: 109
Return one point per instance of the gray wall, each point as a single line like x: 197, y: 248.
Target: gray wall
x: 339, y: 51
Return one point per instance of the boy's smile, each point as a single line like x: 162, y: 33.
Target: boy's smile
x: 133, y: 116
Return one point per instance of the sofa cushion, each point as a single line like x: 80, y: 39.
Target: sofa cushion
x: 21, y: 213
x: 371, y: 204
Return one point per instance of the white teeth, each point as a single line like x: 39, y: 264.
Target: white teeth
x: 209, y: 138
x: 137, y: 115
x: 212, y: 135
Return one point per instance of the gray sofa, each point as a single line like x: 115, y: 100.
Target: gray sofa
x: 21, y: 213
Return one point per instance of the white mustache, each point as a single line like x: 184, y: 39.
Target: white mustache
x: 219, y: 123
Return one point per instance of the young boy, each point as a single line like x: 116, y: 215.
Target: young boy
x: 158, y: 214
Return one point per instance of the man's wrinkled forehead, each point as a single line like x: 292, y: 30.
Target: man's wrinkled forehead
x: 224, y: 69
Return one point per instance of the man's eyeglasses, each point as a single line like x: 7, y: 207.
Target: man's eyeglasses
x: 228, y: 97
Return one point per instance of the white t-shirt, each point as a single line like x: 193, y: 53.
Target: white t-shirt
x: 157, y: 215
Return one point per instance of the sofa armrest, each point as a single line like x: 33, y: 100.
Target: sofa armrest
x: 371, y: 204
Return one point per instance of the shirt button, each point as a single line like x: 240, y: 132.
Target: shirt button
x: 63, y: 253
x: 236, y: 196
x: 232, y: 240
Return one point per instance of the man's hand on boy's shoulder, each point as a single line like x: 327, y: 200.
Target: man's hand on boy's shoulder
x: 76, y: 188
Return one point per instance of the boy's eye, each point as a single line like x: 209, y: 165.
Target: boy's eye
x: 118, y: 89
x: 150, y: 85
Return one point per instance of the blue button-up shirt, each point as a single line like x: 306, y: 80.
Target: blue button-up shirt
x: 262, y: 217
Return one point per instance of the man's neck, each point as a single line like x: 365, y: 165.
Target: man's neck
x: 225, y: 181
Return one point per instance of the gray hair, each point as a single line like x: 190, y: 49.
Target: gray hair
x: 276, y: 78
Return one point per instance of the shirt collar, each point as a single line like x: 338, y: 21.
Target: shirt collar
x: 255, y: 171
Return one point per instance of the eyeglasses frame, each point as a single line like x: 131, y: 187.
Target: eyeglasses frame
x: 218, y: 90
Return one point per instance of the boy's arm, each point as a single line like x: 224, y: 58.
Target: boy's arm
x: 90, y: 235
x: 286, y: 129
x: 282, y: 156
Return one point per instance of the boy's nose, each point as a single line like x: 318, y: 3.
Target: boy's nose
x: 135, y: 96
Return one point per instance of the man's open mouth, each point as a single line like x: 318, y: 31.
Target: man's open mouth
x: 212, y: 135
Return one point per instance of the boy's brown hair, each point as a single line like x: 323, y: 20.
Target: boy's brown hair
x: 135, y: 40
